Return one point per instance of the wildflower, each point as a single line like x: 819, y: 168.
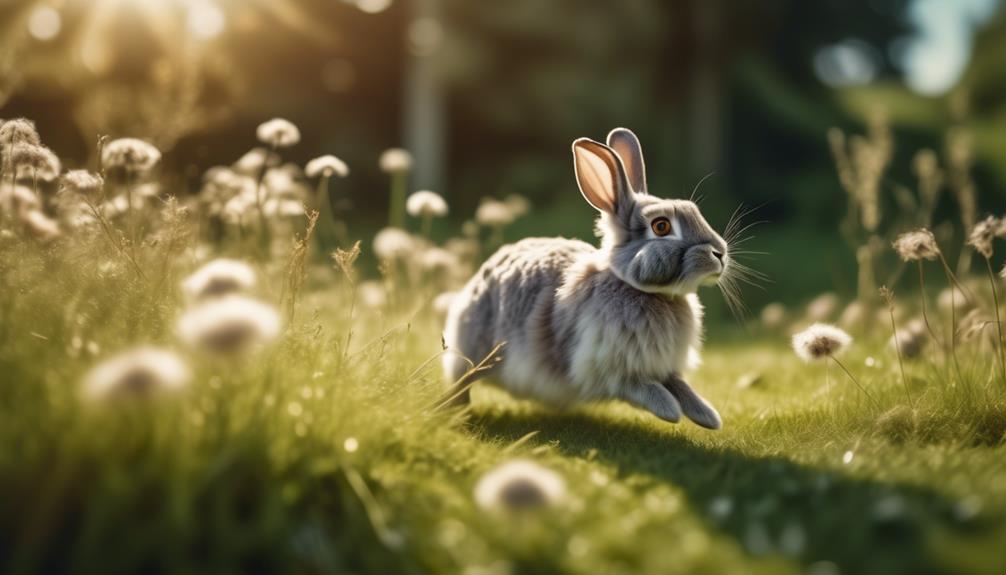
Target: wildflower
x: 283, y: 208
x: 40, y: 226
x: 443, y: 302
x: 853, y: 315
x: 17, y: 199
x: 519, y: 485
x: 130, y: 155
x: 911, y: 339
x: 372, y: 294
x: 952, y: 298
x: 393, y: 243
x: 395, y: 161
x: 278, y: 133
x: 518, y: 204
x: 346, y: 259
x: 144, y: 371
x: 40, y: 162
x: 326, y: 166
x: 82, y: 182
x: 773, y: 315
x: 493, y: 214
x: 437, y: 260
x: 284, y: 182
x: 917, y: 245
x: 218, y: 278
x: 18, y: 131
x: 822, y: 308
x: 229, y: 326
x: 253, y: 162
x: 425, y: 203
x: 820, y: 341
x: 982, y: 235
x: 466, y: 249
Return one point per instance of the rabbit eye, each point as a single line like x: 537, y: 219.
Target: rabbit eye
x: 661, y: 226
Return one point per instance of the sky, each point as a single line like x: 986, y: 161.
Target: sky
x: 937, y: 54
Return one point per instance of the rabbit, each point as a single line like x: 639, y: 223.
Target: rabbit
x: 583, y: 324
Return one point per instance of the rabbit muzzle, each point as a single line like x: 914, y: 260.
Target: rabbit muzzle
x: 703, y: 264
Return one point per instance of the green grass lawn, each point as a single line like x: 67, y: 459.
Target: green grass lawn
x: 317, y: 457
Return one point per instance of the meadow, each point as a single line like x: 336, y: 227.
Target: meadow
x: 196, y: 383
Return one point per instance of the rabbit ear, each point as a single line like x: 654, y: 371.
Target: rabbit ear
x: 627, y: 146
x: 600, y: 175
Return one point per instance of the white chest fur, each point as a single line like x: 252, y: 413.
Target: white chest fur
x: 607, y: 354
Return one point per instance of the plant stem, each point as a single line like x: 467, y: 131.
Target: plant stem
x: 901, y: 362
x: 925, y: 314
x: 856, y: 381
x: 263, y: 221
x: 427, y: 224
x: 999, y: 325
x: 396, y: 205
x: 954, y: 286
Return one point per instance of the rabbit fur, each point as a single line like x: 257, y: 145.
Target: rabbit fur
x: 581, y: 323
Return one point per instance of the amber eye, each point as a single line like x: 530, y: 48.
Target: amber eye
x: 661, y: 226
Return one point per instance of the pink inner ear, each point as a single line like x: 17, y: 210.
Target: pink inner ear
x: 595, y: 178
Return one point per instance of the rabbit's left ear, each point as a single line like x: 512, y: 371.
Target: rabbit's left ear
x: 601, y: 176
x: 627, y: 146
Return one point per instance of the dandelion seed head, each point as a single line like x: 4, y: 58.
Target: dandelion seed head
x: 39, y: 225
x: 283, y: 208
x: 326, y: 166
x: 820, y: 341
x: 464, y: 248
x: 443, y: 302
x: 278, y: 133
x: 518, y: 204
x: 493, y: 214
x: 82, y: 182
x: 141, y: 372
x: 35, y: 161
x: 252, y: 162
x: 18, y: 131
x: 519, y: 485
x: 982, y: 235
x: 773, y: 315
x: 822, y: 308
x: 426, y: 203
x: 395, y: 161
x: 218, y: 278
x: 284, y: 182
x: 436, y: 259
x: 130, y: 155
x: 372, y: 294
x: 17, y: 199
x: 393, y: 244
x: 911, y: 338
x: 229, y: 326
x: 917, y: 245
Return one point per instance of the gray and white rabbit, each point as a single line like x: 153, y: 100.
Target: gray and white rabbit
x: 584, y: 324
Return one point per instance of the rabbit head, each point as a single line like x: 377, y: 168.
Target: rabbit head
x: 653, y: 244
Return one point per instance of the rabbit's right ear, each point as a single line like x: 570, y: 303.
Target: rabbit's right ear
x: 600, y: 175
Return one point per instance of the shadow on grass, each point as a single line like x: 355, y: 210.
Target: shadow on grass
x: 769, y: 505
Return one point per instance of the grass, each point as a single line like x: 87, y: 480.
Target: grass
x: 317, y: 457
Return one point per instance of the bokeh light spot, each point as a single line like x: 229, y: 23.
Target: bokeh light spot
x: 206, y: 20
x: 373, y: 6
x: 44, y: 23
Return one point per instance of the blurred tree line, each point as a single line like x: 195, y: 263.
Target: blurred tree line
x: 711, y: 87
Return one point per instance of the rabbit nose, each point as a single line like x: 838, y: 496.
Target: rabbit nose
x: 718, y: 255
